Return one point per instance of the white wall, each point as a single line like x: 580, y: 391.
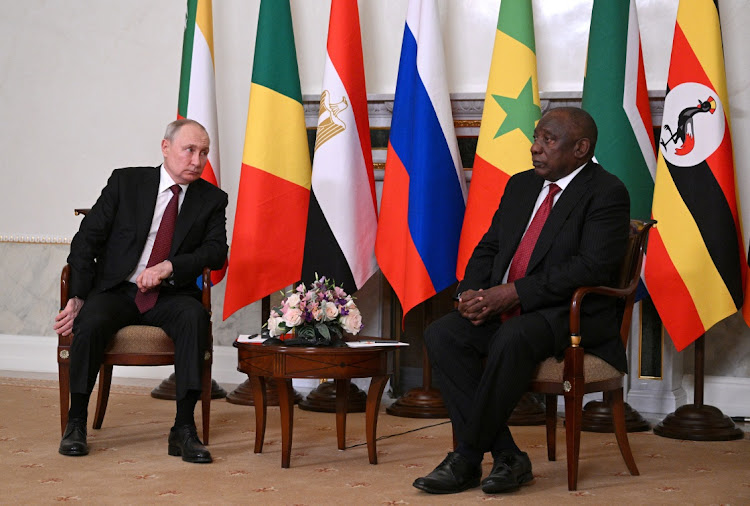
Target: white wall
x: 87, y: 86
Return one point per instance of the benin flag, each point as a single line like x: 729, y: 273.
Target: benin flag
x: 269, y: 225
x: 197, y: 98
x: 696, y: 265
x: 511, y: 110
x: 615, y: 94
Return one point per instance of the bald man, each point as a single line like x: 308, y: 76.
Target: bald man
x: 561, y: 225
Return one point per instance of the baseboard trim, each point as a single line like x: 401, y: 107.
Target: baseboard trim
x: 37, y: 354
x: 730, y: 394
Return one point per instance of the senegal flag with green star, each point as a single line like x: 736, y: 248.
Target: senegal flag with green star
x: 511, y: 111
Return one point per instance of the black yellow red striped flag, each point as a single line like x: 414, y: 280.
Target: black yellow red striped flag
x: 696, y: 266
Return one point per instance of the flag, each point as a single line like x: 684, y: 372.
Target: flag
x: 616, y: 96
x: 511, y: 111
x: 696, y: 265
x: 197, y: 96
x: 268, y: 239
x: 342, y: 219
x: 424, y: 189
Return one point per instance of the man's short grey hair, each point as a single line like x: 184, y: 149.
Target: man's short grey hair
x: 175, y: 126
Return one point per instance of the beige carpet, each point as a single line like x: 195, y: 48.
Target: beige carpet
x: 129, y: 462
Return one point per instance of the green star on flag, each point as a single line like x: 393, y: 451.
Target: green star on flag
x: 522, y: 112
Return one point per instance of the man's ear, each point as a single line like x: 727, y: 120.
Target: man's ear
x: 582, y: 148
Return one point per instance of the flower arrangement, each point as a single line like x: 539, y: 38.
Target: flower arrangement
x: 319, y: 314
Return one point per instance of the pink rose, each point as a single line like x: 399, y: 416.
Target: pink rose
x: 352, y: 322
x: 293, y: 317
x: 331, y: 310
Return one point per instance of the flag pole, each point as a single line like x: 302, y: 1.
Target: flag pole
x: 698, y: 421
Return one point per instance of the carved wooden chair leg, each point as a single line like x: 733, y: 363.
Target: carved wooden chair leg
x: 621, y: 431
x: 551, y: 419
x: 64, y: 381
x: 573, y: 415
x: 105, y: 382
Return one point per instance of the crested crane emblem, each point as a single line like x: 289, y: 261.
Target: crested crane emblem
x: 693, y: 127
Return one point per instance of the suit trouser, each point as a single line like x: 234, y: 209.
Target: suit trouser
x: 481, y: 399
x: 182, y: 317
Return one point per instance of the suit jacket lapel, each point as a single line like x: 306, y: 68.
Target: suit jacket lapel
x: 147, y: 188
x: 563, y: 207
x: 188, y: 213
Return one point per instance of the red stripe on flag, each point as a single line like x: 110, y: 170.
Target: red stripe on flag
x: 345, y: 51
x: 397, y: 255
x: 268, y: 241
x: 686, y: 68
x: 487, y: 187
x: 670, y: 295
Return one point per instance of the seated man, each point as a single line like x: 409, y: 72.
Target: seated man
x: 134, y: 261
x: 562, y: 225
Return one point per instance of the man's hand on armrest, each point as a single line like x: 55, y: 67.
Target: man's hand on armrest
x: 64, y: 320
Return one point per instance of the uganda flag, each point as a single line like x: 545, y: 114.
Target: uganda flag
x: 696, y: 265
x: 511, y: 111
x: 197, y: 96
x: 268, y: 239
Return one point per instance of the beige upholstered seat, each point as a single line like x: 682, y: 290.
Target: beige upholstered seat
x: 132, y: 345
x: 580, y: 373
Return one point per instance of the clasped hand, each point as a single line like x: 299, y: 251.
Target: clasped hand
x: 152, y: 277
x: 479, y: 306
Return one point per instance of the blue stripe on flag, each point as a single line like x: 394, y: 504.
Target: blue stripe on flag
x: 436, y: 203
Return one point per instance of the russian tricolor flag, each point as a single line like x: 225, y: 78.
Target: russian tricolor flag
x: 424, y: 191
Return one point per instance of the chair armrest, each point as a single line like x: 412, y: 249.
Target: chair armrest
x: 577, y: 300
x: 206, y: 289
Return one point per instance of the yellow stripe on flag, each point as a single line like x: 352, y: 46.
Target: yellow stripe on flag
x: 275, y: 140
x: 203, y: 21
x: 687, y: 250
x: 699, y: 22
x: 507, y: 80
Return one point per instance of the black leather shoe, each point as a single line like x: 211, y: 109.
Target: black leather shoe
x: 183, y: 441
x: 509, y: 471
x: 73, y: 442
x: 454, y: 474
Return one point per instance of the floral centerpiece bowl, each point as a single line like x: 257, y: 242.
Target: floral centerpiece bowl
x: 318, y: 315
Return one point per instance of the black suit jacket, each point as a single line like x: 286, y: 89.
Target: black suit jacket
x: 110, y: 240
x: 582, y: 243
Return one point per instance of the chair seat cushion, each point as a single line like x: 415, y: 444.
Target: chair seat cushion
x: 594, y: 369
x: 140, y: 339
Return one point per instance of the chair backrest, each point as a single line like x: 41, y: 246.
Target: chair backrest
x: 630, y: 273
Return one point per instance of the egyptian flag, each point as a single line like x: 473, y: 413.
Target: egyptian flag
x: 268, y: 239
x: 696, y: 266
x: 424, y: 189
x: 342, y: 219
x: 197, y: 97
x: 511, y: 111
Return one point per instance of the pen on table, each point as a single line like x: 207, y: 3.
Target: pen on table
x: 743, y: 419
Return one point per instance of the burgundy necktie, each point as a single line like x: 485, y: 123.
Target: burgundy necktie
x: 160, y: 251
x: 520, y: 261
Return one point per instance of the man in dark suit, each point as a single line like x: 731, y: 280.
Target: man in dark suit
x: 514, y: 300
x: 135, y: 260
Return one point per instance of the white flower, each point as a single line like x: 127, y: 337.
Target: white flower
x: 274, y: 328
x: 352, y: 322
x: 293, y: 317
x: 293, y: 300
x: 331, y: 310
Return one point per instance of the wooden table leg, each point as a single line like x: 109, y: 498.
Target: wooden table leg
x: 374, y: 395
x: 258, y: 384
x: 342, y: 400
x: 286, y: 407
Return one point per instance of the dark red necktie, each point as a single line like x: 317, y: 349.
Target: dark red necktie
x: 160, y: 251
x: 520, y: 261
